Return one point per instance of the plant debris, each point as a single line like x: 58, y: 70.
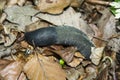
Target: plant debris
x: 97, y: 19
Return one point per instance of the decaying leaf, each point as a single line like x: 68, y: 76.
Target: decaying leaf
x: 54, y: 6
x: 114, y: 44
x: 69, y: 18
x: 75, y: 62
x: 10, y: 39
x: 91, y: 73
x: 106, y: 24
x: 20, y: 15
x: 66, y: 54
x: 42, y: 68
x: 4, y: 63
x: 96, y: 54
x: 2, y: 5
x: 11, y: 3
x: 12, y: 71
x: 73, y: 74
x: 38, y: 24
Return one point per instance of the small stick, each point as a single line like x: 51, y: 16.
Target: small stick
x: 98, y: 2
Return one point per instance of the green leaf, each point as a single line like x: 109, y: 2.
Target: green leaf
x: 117, y: 0
x: 113, y: 10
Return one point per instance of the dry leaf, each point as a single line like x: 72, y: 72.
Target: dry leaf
x: 96, y: 54
x: 69, y: 18
x: 72, y: 74
x: 42, y: 68
x: 11, y: 3
x: 21, y: 15
x: 22, y: 76
x: 91, y: 72
x: 4, y: 63
x: 12, y: 71
x: 38, y: 24
x: 75, y: 62
x: 54, y: 6
x: 9, y: 39
x: 66, y: 54
x: 2, y: 5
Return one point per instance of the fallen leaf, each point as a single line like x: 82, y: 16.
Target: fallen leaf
x: 54, y: 6
x: 96, y: 55
x: 66, y: 54
x: 20, y: 15
x: 11, y: 3
x: 114, y: 44
x: 75, y: 62
x: 68, y: 18
x: 91, y: 72
x: 22, y: 76
x: 12, y: 71
x: 72, y: 74
x: 9, y: 39
x: 2, y: 5
x: 42, y: 68
x: 4, y: 63
x: 38, y: 24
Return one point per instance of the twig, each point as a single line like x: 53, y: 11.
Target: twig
x: 98, y: 2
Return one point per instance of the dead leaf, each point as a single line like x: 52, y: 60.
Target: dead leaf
x: 75, y: 62
x: 91, y: 72
x: 54, y: 6
x: 12, y: 71
x: 66, y: 54
x: 68, y: 18
x: 4, y: 63
x: 42, y: 68
x: 114, y: 44
x: 9, y: 39
x: 73, y: 74
x: 2, y: 5
x: 22, y: 76
x: 11, y: 3
x: 96, y: 55
x: 106, y: 24
x: 38, y: 24
x: 21, y: 15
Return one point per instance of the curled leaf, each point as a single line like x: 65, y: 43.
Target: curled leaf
x: 96, y: 55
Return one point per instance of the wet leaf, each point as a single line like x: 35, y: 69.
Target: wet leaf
x: 42, y: 68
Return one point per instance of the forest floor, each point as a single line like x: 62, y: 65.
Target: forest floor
x: 21, y: 61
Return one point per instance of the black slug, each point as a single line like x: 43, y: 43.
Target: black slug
x: 63, y: 35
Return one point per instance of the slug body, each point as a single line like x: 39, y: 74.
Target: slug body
x: 60, y: 35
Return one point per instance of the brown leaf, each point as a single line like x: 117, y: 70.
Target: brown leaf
x: 69, y: 17
x: 12, y: 71
x: 54, y: 6
x: 96, y: 55
x: 38, y: 24
x: 42, y: 68
x: 75, y: 62
x: 66, y: 54
x: 4, y: 63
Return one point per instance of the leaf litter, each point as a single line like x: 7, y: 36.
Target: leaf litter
x: 21, y: 61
